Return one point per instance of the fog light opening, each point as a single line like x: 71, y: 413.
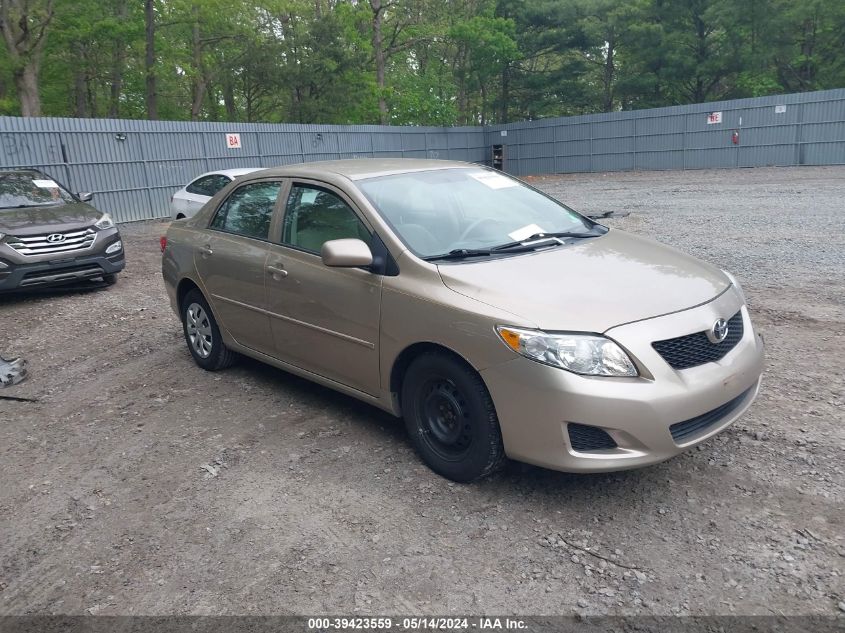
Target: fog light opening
x: 114, y: 248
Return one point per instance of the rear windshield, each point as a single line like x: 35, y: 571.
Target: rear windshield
x: 20, y: 189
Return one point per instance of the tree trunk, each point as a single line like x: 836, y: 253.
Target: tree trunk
x: 150, y: 59
x: 506, y: 75
x: 200, y: 83
x: 378, y: 51
x: 26, y: 82
x: 80, y: 88
x: 117, y: 67
x: 24, y: 35
x: 609, y: 72
x: 229, y: 100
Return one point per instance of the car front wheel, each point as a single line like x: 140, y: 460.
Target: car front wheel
x: 450, y: 418
x: 203, y: 335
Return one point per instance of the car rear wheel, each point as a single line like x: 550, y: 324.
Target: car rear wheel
x: 450, y: 418
x: 203, y: 335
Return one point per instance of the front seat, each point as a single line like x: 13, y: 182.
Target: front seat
x: 326, y: 219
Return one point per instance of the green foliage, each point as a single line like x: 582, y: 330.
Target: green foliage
x: 446, y: 62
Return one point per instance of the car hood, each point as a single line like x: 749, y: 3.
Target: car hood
x: 37, y: 220
x: 591, y: 285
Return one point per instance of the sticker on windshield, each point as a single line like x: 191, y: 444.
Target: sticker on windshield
x: 525, y: 232
x: 493, y: 180
x: 45, y: 184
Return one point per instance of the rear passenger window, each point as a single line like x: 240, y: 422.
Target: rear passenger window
x: 248, y: 210
x: 208, y: 185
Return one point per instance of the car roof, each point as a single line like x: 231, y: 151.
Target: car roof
x: 232, y: 173
x: 360, y: 168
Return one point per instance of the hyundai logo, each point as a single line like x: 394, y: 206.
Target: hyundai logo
x: 55, y: 238
x: 719, y: 331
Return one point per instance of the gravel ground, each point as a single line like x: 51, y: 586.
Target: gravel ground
x: 138, y: 484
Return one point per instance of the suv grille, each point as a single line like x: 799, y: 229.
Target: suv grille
x: 682, y: 431
x: 589, y: 438
x: 49, y: 243
x: 696, y: 349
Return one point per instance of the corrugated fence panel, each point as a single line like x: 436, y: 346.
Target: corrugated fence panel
x: 135, y: 166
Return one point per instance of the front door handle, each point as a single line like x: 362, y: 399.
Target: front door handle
x: 206, y: 250
x: 275, y: 270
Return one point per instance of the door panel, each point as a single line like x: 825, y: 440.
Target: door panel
x: 232, y: 262
x: 324, y: 320
x: 233, y: 274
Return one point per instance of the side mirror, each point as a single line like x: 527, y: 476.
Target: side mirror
x: 85, y: 197
x: 346, y: 253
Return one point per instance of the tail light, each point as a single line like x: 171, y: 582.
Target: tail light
x: 163, y: 242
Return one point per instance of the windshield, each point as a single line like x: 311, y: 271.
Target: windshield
x: 441, y: 211
x: 30, y: 189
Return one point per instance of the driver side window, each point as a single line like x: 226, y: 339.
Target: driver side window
x: 314, y: 216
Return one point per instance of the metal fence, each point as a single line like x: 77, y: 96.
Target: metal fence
x: 134, y: 166
x: 796, y: 129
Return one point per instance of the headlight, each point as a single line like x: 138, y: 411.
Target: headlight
x: 104, y: 222
x: 114, y: 248
x: 585, y: 354
x: 735, y: 284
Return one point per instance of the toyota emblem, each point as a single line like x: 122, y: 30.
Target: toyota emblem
x: 719, y: 331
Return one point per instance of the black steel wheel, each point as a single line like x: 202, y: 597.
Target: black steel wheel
x: 450, y: 418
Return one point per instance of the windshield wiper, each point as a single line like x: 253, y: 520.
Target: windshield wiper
x: 540, y: 238
x: 460, y: 253
x: 537, y: 240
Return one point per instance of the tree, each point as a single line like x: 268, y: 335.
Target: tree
x: 25, y: 24
x: 150, y: 58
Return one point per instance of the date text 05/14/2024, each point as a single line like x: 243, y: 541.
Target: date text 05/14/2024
x: 414, y: 623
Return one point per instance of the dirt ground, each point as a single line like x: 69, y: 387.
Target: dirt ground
x: 136, y: 483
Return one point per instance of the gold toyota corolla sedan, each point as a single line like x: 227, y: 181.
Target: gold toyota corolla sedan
x: 496, y: 321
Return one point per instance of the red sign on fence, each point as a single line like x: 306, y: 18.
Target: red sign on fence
x: 233, y: 141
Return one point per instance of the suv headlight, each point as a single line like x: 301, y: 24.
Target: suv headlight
x: 586, y: 354
x: 104, y: 222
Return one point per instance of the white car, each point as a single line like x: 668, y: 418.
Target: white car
x: 191, y: 198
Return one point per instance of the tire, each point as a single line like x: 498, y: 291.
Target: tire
x: 110, y: 280
x: 202, y: 334
x: 450, y: 418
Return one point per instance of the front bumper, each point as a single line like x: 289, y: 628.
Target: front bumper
x: 536, y: 403
x: 59, y: 272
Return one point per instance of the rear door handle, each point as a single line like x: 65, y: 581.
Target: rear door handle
x: 275, y: 270
x: 206, y: 250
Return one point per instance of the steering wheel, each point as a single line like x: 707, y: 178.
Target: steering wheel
x: 469, y: 230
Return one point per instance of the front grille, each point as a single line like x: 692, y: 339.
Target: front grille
x: 589, y: 438
x: 69, y: 242
x: 696, y: 349
x: 682, y: 431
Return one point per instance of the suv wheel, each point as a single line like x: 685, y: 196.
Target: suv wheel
x: 450, y: 418
x: 202, y: 334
